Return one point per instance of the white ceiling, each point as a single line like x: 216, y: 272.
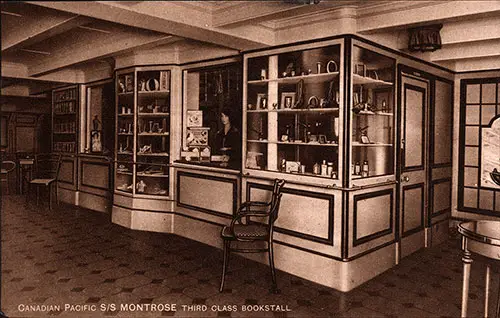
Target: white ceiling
x: 54, y: 42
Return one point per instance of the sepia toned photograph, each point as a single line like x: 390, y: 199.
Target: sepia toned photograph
x: 227, y: 158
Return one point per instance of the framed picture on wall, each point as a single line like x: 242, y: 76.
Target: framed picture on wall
x: 261, y: 101
x: 287, y: 100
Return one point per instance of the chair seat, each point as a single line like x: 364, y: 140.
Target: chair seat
x: 251, y: 231
x: 42, y: 181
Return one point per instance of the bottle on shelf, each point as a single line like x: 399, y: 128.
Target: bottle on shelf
x: 324, y: 168
x: 283, y: 165
x: 365, y: 169
x: 329, y: 169
x: 357, y: 168
x: 316, y: 168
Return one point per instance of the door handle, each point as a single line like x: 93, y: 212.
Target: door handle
x: 405, y: 179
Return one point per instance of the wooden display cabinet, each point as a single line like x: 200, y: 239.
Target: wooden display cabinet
x: 143, y: 132
x: 292, y: 109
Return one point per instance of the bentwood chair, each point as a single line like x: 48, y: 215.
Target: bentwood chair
x: 7, y: 167
x: 245, y: 228
x: 45, y: 176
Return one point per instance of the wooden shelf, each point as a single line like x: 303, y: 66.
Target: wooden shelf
x: 154, y: 154
x: 317, y: 144
x: 126, y: 93
x: 125, y: 134
x: 369, y: 82
x: 308, y: 79
x: 125, y: 115
x: 124, y: 172
x: 64, y: 133
x: 153, y: 92
x: 296, y: 110
x: 152, y: 175
x: 358, y: 144
x: 153, y: 114
x: 63, y: 114
x: 370, y: 113
x: 154, y: 134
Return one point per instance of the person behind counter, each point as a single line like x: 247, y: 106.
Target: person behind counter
x: 228, y: 139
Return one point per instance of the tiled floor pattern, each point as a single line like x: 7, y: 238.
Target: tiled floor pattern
x: 77, y: 257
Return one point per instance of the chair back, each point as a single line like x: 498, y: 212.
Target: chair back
x: 275, y: 200
x: 47, y: 167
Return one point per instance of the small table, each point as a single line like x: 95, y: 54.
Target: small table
x: 482, y: 239
x: 25, y: 167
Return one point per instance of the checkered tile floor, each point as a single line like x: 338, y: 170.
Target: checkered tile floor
x: 72, y: 262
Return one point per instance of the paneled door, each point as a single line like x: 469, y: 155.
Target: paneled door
x: 414, y: 96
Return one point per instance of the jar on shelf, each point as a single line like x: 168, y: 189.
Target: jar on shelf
x: 316, y: 168
x: 329, y: 169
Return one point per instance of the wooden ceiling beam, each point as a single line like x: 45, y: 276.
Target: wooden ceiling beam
x: 134, y: 17
x: 34, y: 24
x: 102, y: 46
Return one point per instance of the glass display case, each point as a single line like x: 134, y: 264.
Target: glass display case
x: 99, y: 115
x: 300, y: 124
x: 372, y: 114
x: 143, y: 131
x: 210, y: 90
x: 292, y: 111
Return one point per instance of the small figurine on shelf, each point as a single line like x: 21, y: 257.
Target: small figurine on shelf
x: 121, y: 83
x: 96, y: 141
x: 263, y: 74
x: 141, y: 186
x: 95, y: 123
x: 142, y: 85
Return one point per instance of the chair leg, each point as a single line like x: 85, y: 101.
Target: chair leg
x: 50, y: 196
x: 227, y: 246
x: 498, y: 302
x: 37, y: 195
x: 57, y: 197
x: 273, y: 270
x: 27, y: 194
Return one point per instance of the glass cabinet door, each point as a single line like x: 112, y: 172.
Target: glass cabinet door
x: 372, y: 107
x: 153, y: 132
x: 125, y: 132
x: 292, y: 113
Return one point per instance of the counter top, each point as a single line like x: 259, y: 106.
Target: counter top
x: 208, y: 166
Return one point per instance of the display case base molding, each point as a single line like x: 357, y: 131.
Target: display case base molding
x: 68, y: 196
x: 142, y: 220
x: 413, y: 243
x: 439, y: 232
x: 94, y: 202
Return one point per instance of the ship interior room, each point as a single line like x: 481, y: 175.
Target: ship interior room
x: 288, y: 158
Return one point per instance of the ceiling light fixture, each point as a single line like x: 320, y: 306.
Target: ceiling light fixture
x: 36, y: 51
x: 94, y: 29
x: 12, y: 13
x: 424, y: 38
